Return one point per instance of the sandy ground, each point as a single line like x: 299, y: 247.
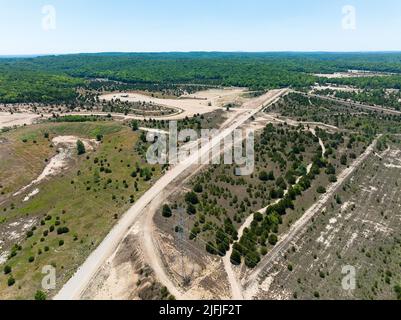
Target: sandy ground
x: 297, y: 228
x: 187, y: 106
x: 351, y: 74
x: 12, y: 233
x: 65, y: 148
x: 335, y: 88
x: 17, y: 119
x: 77, y: 284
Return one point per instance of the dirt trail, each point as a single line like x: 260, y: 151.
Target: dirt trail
x: 355, y: 104
x: 297, y: 229
x: 76, y: 285
x: 237, y: 290
x: 320, y: 142
x: 185, y: 106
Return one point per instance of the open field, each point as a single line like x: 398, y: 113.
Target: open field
x: 184, y: 106
x: 57, y: 216
x: 17, y: 119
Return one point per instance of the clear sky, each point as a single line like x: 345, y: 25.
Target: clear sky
x: 198, y: 25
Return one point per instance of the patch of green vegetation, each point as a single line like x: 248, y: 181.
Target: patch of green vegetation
x: 77, y: 118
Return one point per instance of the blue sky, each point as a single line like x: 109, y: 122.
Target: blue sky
x: 198, y: 25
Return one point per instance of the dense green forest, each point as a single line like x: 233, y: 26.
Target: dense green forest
x: 55, y: 78
x: 19, y: 83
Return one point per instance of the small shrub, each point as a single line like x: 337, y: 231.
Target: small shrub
x: 166, y: 211
x: 40, y: 296
x: 10, y: 281
x: 80, y: 147
x: 7, y: 269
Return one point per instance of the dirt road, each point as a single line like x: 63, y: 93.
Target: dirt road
x: 185, y: 106
x: 297, y: 228
x: 76, y: 285
x: 355, y: 104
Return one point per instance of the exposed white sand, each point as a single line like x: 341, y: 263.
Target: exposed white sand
x: 188, y: 105
x: 66, y: 146
x: 337, y: 88
x: 29, y: 196
x: 17, y: 119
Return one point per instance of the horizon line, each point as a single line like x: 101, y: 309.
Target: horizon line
x: 34, y: 55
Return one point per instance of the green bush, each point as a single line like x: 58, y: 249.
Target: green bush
x: 80, y: 147
x: 273, y: 239
x: 166, y: 211
x: 192, y: 198
x: 10, y: 281
x: 135, y: 125
x: 40, y: 296
x: 235, y: 258
x: 198, y: 188
x: 62, y: 230
x: 210, y: 247
x: 191, y: 209
x: 7, y: 269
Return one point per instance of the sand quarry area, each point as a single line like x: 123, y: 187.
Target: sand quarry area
x: 17, y: 119
x: 187, y: 105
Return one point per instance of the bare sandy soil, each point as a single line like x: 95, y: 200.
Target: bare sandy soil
x: 336, y: 88
x: 11, y: 233
x: 188, y: 105
x: 17, y: 119
x: 66, y: 146
x: 351, y: 74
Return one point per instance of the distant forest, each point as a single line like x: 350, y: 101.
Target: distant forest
x: 55, y: 79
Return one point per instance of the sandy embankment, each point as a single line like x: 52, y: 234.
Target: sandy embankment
x: 66, y: 146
